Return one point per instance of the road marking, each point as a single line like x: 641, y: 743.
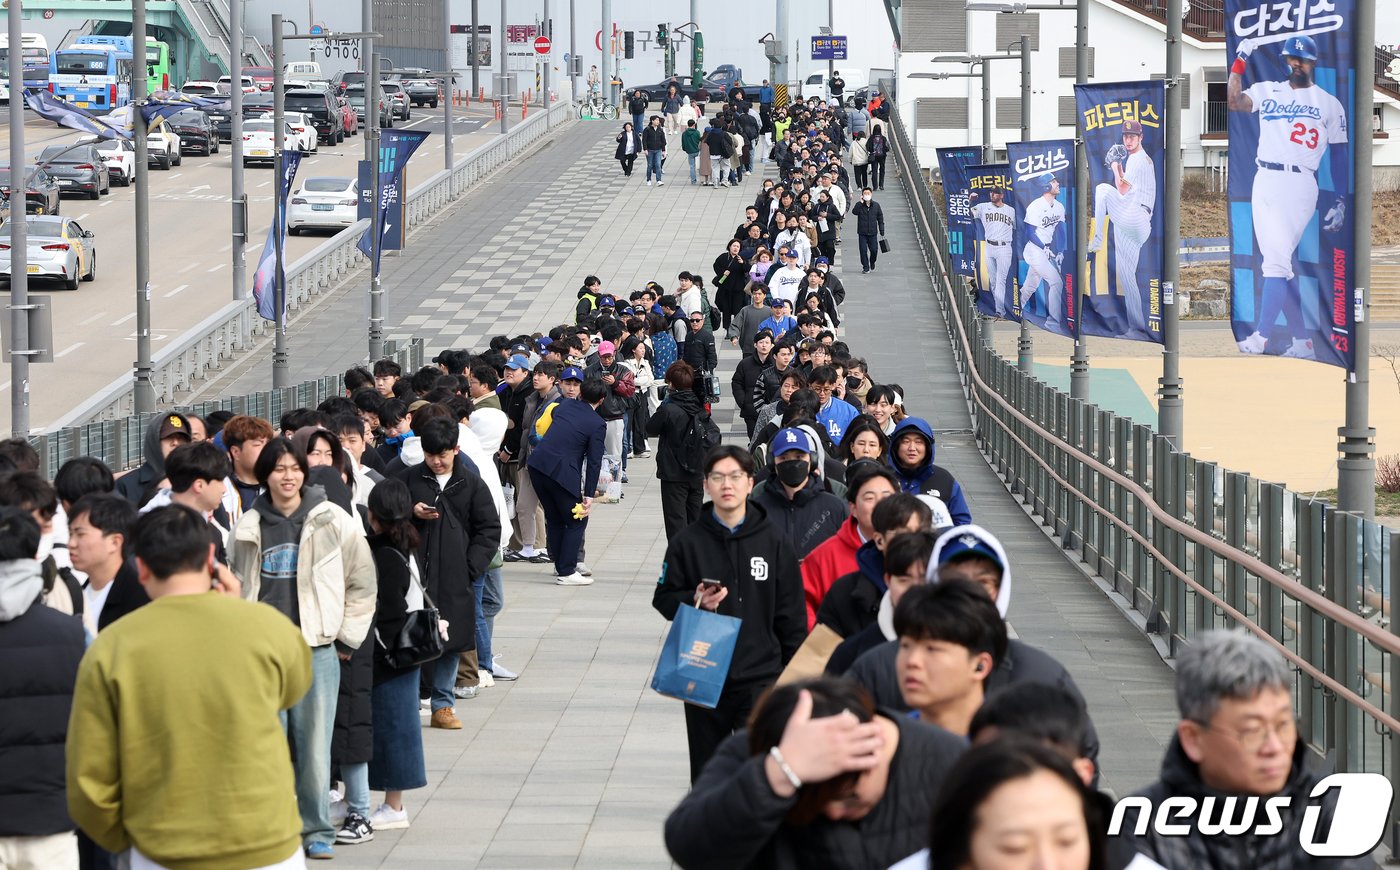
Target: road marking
x: 216, y: 267
x: 200, y: 187
x: 104, y: 204
x: 228, y: 247
x: 68, y: 350
x: 189, y: 267
x: 173, y: 292
x: 124, y: 319
x: 81, y: 217
x: 420, y: 120
x: 92, y: 318
x: 177, y: 174
x: 264, y: 184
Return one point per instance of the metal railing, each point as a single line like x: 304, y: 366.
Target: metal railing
x: 1183, y: 543
x: 119, y: 443
x: 235, y: 327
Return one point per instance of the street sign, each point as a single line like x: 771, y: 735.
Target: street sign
x: 541, y: 45
x: 317, y: 30
x: 828, y: 48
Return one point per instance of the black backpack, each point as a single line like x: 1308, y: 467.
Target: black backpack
x: 701, y: 435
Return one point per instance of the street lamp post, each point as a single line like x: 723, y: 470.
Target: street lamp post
x: 376, y: 289
x: 1170, y: 406
x: 19, y: 239
x: 143, y: 390
x: 235, y: 145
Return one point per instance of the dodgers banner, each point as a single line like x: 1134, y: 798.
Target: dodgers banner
x: 269, y: 288
x: 395, y: 147
x: 952, y: 169
x: 1291, y: 93
x: 1124, y: 142
x: 994, y: 226
x: 1042, y: 181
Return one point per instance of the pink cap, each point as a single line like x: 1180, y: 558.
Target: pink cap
x: 606, y: 348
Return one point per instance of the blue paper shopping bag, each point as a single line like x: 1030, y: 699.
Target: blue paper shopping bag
x: 695, y: 658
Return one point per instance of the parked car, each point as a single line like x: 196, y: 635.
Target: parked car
x: 57, y: 248
x: 201, y: 89
x: 718, y: 89
x: 258, y: 146
x: 355, y: 95
x: 324, y: 113
x: 421, y: 92
x: 195, y: 130
x: 302, y: 129
x: 226, y: 84
x: 40, y: 190
x: 348, y: 113
x: 324, y: 203
x: 814, y: 85
x: 77, y: 169
x: 397, y: 99
x: 347, y: 79
x: 163, y: 147
x: 302, y: 69
x: 120, y: 157
x: 261, y: 75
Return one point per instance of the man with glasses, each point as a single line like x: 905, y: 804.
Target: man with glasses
x: 1237, y: 738
x: 765, y: 593
x: 835, y: 413
x: 699, y: 351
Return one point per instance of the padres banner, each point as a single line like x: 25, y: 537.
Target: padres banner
x: 1042, y: 180
x: 952, y: 169
x: 1124, y: 141
x: 1291, y: 99
x: 994, y: 227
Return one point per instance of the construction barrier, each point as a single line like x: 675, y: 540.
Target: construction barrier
x: 780, y: 95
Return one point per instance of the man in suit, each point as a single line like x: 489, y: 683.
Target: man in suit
x: 571, y: 451
x: 98, y: 531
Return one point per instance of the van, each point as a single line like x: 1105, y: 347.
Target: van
x: 302, y: 69
x: 814, y: 85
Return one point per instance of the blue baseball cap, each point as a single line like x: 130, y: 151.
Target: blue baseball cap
x: 519, y: 361
x: 571, y: 373
x: 968, y: 541
x: 607, y: 302
x: 788, y: 440
x: 542, y: 343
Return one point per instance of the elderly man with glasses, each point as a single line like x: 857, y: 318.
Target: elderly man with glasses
x: 1236, y: 758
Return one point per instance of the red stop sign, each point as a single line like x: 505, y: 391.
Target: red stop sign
x: 541, y: 45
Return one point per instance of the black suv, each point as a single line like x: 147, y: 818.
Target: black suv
x: 324, y: 113
x: 196, y: 131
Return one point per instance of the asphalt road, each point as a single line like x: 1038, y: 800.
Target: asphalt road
x: 191, y: 255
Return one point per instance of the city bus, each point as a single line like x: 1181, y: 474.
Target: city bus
x: 157, y: 57
x: 91, y: 76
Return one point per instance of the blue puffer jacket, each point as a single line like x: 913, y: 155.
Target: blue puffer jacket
x: 927, y: 478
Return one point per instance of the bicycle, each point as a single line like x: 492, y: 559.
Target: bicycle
x: 595, y: 107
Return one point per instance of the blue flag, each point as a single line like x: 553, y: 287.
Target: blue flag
x: 1042, y: 184
x: 163, y: 104
x: 395, y: 147
x: 46, y: 105
x: 952, y: 171
x: 269, y: 288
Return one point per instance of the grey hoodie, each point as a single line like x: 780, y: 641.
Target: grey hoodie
x: 281, y: 543
x: 21, y: 583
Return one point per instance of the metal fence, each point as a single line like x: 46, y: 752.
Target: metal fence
x: 1189, y: 545
x: 235, y: 327
x: 119, y: 442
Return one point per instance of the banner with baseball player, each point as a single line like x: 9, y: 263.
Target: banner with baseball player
x: 952, y: 170
x: 1291, y: 95
x: 1042, y: 181
x: 1124, y: 140
x: 994, y: 224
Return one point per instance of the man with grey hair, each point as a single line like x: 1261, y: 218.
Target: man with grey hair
x: 1237, y: 740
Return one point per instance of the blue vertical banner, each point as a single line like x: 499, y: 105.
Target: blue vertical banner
x: 952, y: 169
x: 994, y: 229
x: 395, y: 147
x: 1292, y: 100
x: 268, y: 286
x: 1042, y: 182
x: 1124, y: 141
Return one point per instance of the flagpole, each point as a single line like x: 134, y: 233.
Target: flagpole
x: 281, y: 366
x: 235, y: 147
x: 376, y: 225
x: 19, y: 241
x: 143, y: 390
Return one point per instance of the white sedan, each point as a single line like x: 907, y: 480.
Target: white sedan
x: 58, y: 248
x: 200, y: 89
x: 120, y: 157
x: 324, y: 203
x: 301, y: 126
x: 258, y: 146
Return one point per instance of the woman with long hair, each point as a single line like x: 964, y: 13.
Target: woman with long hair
x: 629, y: 145
x: 731, y: 275
x: 634, y: 357
x: 864, y: 439
x: 679, y: 473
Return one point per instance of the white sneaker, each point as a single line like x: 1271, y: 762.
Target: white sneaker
x: 1302, y: 349
x: 339, y: 810
x: 484, y: 678
x: 386, y: 818
x: 465, y: 693
x: 1254, y: 344
x: 660, y: 184
x: 583, y: 569
x: 648, y: 182
x: 574, y: 579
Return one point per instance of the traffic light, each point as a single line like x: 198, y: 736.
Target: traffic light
x: 661, y: 34
x: 629, y: 44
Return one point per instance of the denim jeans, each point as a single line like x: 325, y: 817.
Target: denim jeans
x: 483, y: 633
x: 626, y: 440
x: 654, y: 161
x: 310, y: 724
x: 441, y: 674
x: 356, y: 779
x: 397, y: 764
x: 694, y: 179
x: 493, y: 600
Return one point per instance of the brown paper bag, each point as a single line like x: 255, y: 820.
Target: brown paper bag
x: 810, y: 659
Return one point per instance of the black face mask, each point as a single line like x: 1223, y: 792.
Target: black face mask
x: 793, y: 471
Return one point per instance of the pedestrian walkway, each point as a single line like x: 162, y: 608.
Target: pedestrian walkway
x: 578, y: 763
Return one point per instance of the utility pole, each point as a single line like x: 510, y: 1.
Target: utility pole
x: 1170, y: 410
x: 235, y: 145
x: 1025, y: 347
x: 1079, y: 362
x: 143, y: 391
x: 546, y: 80
x: 19, y: 236
x: 781, y: 75
x: 504, y: 86
x: 831, y: 26
x: 376, y: 290
x: 575, y: 62
x: 1356, y: 466
x: 372, y: 77
x: 476, y: 59
x: 448, y: 84
x: 605, y: 42
x: 281, y: 365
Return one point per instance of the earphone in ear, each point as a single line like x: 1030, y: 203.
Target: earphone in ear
x: 980, y: 667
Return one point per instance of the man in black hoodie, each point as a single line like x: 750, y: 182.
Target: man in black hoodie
x: 163, y: 434
x: 749, y: 570
x: 746, y: 376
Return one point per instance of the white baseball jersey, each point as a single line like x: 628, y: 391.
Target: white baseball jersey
x: 1142, y: 175
x: 1296, y: 124
x: 1044, y: 216
x: 998, y: 221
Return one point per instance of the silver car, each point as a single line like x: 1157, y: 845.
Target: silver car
x: 397, y: 99
x: 58, y: 248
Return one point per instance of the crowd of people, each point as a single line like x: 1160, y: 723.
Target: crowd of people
x: 148, y: 700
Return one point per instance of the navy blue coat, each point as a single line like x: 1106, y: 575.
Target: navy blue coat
x: 575, y: 436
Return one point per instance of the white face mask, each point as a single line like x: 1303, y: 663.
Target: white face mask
x: 867, y: 197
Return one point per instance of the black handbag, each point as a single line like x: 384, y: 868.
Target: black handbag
x: 884, y: 246
x: 418, y: 640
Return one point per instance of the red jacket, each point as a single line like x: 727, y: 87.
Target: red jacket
x: 833, y: 558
